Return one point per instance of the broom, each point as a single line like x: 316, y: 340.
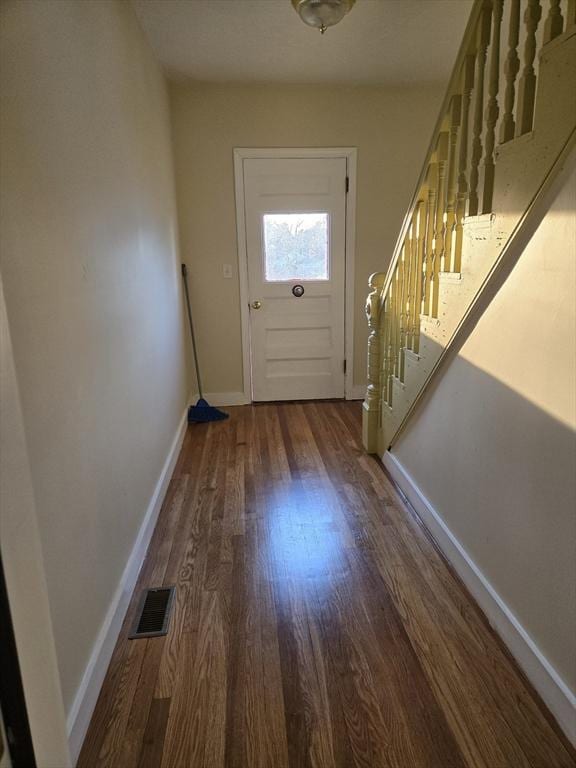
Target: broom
x: 202, y: 411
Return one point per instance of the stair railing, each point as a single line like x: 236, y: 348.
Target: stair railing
x: 457, y: 179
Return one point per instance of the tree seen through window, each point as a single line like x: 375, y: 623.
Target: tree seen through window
x: 296, y: 246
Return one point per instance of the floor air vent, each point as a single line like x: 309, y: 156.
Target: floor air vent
x: 154, y: 615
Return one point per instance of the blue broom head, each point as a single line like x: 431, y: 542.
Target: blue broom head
x: 203, y: 411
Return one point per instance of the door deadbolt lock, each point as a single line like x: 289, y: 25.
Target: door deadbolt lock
x: 256, y: 304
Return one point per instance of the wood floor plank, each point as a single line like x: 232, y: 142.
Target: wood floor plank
x: 154, y: 734
x: 263, y: 675
x: 131, y: 747
x: 315, y: 624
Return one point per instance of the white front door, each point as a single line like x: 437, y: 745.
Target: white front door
x: 295, y: 238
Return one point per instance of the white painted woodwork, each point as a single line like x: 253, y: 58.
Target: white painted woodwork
x: 296, y: 344
x: 462, y: 194
x: 454, y: 255
x: 554, y: 22
x: 483, y: 41
x: 571, y: 13
x: 455, y: 116
x: 527, y: 86
x: 492, y: 109
x: 511, y: 69
x: 372, y: 399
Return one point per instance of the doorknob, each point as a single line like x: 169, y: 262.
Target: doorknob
x: 256, y: 304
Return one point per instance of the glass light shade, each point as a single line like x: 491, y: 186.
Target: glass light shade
x: 322, y: 13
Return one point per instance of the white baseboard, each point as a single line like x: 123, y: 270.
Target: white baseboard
x: 559, y: 699
x: 356, y: 392
x: 223, y: 399
x: 220, y: 399
x: 84, y: 702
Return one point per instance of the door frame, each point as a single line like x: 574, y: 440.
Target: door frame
x: 350, y: 154
x: 12, y: 699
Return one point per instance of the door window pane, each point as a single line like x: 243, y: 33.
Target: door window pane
x: 295, y: 246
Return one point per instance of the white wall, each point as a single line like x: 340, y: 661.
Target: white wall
x: 493, y: 446
x: 391, y: 129
x: 93, y: 293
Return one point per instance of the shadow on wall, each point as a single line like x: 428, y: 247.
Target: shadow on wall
x: 500, y: 469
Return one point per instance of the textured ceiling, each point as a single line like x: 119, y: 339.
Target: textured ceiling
x: 391, y: 42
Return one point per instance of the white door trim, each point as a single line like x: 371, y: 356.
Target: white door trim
x: 350, y: 154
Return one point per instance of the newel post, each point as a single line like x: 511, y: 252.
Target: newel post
x: 373, y: 399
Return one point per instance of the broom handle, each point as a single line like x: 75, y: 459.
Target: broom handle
x: 185, y: 276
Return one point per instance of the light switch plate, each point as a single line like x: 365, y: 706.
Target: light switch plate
x: 227, y: 270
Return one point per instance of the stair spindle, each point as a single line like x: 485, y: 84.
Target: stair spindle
x: 481, y: 54
x: 420, y: 222
x: 432, y: 181
x: 415, y: 273
x: 409, y: 282
x: 511, y: 69
x: 554, y: 23
x: 373, y: 313
x: 387, y: 348
x: 492, y: 110
x: 403, y: 315
x: 439, y: 224
x: 397, y: 308
x: 398, y: 341
x: 527, y: 85
x: 389, y: 344
x: 571, y: 13
x: 455, y: 113
x: 462, y: 194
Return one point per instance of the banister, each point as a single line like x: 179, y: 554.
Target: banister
x: 502, y: 267
x: 467, y: 41
x: 469, y: 194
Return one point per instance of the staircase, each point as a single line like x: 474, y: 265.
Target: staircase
x: 506, y: 130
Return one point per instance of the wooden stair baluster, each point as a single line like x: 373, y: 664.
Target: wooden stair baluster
x: 391, y: 316
x: 387, y: 348
x: 554, y: 22
x: 571, y: 13
x: 393, y: 326
x: 416, y: 279
x: 409, y: 285
x: 396, y: 317
x: 432, y: 180
x: 438, y: 242
x: 462, y: 195
x: 527, y: 85
x: 420, y: 221
x: 481, y: 53
x: 511, y: 69
x: 415, y: 273
x: 373, y: 314
x: 492, y: 110
x: 455, y: 114
x: 402, y: 315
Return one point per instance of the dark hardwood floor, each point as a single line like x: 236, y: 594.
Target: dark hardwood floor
x: 314, y: 623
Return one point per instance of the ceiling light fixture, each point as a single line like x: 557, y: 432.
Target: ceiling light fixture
x: 322, y: 13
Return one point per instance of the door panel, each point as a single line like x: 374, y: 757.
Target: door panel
x: 295, y: 235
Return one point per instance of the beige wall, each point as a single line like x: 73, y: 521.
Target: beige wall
x: 93, y: 292
x: 391, y: 129
x: 494, y: 450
